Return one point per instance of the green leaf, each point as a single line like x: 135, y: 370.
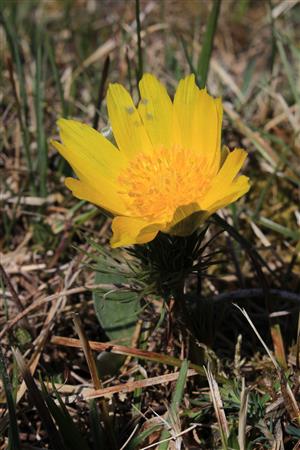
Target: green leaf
x: 23, y: 336
x: 293, y: 431
x: 139, y: 439
x: 233, y: 443
x: 117, y: 310
x: 208, y: 40
x: 189, y: 58
x: 116, y: 301
x: 284, y: 231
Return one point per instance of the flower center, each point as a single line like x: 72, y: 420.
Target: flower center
x: 155, y: 185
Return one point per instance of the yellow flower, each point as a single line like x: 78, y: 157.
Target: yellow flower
x: 168, y: 173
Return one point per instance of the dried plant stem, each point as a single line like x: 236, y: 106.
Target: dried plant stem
x: 135, y: 352
x: 95, y: 379
x: 41, y: 301
x: 219, y: 408
x: 139, y: 384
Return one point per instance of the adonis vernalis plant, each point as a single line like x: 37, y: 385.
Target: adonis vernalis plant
x: 169, y: 172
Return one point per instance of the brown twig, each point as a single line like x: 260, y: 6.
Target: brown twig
x: 135, y: 352
x: 95, y: 378
x: 132, y: 385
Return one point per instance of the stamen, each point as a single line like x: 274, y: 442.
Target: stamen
x: 155, y: 185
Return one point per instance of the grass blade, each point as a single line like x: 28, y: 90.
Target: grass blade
x: 21, y: 99
x: 288, y: 69
x: 138, y: 440
x: 52, y: 60
x: 14, y: 440
x: 69, y: 430
x: 257, y: 260
x: 101, y: 92
x: 36, y: 398
x: 175, y: 403
x: 39, y: 111
x: 99, y: 442
x: 140, y: 68
x: 188, y: 58
x: 284, y: 231
x: 219, y: 409
x: 208, y: 40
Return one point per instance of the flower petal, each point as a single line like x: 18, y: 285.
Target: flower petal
x: 200, y: 120
x: 86, y: 168
x: 224, y: 197
x: 128, y: 128
x: 156, y: 111
x: 88, y: 146
x: 103, y: 191
x: 132, y: 230
x: 186, y: 220
x: 225, y: 152
x: 106, y: 199
x: 231, y: 166
x: 223, y: 181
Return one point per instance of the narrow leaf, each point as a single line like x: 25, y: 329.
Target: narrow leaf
x: 39, y: 111
x: 175, y: 403
x: 208, y: 40
x: 139, y: 41
x: 69, y: 430
x: 14, y: 440
x: 36, y: 398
